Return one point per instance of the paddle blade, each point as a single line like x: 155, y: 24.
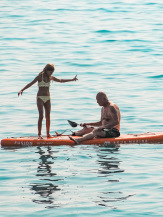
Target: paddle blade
x: 72, y: 123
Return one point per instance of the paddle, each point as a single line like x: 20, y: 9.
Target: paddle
x: 74, y: 124
x: 60, y: 134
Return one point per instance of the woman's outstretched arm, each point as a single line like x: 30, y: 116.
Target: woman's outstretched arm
x: 28, y: 85
x: 63, y: 80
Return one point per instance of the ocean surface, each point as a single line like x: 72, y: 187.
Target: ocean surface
x: 113, y: 46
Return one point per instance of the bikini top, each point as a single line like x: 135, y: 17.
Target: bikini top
x: 43, y: 83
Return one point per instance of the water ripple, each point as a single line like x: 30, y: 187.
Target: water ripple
x: 113, y: 46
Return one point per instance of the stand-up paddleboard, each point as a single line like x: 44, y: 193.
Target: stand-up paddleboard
x: 65, y: 140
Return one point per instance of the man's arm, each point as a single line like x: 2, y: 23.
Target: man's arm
x: 93, y: 124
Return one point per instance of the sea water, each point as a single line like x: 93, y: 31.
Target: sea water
x: 113, y: 46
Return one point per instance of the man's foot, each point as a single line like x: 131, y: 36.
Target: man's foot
x: 74, y: 140
x: 73, y: 134
x: 40, y: 137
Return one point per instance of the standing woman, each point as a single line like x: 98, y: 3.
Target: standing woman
x: 43, y: 95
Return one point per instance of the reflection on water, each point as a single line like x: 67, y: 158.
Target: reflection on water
x: 46, y: 185
x: 50, y: 190
x: 108, y: 161
x: 109, y: 166
x: 113, y: 46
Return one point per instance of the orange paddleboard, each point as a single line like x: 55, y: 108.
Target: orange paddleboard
x: 64, y: 140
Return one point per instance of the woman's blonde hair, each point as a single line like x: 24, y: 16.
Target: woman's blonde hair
x: 49, y: 67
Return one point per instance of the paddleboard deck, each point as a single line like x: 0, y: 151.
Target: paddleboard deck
x: 140, y: 138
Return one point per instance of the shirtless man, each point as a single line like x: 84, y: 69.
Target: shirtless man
x: 107, y: 127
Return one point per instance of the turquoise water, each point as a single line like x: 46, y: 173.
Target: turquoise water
x: 113, y: 46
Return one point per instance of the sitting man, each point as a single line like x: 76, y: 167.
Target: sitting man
x: 107, y: 127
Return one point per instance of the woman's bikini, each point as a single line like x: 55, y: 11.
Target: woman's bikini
x: 44, y: 84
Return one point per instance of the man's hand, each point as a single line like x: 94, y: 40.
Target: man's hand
x: 83, y: 125
x: 101, y: 128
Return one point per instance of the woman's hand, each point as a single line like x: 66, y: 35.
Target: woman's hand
x: 20, y: 92
x: 75, y: 78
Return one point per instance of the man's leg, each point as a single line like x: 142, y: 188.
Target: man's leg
x: 91, y: 135
x: 83, y: 131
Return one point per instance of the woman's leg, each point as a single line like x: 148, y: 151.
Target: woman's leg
x: 40, y: 105
x: 47, y: 107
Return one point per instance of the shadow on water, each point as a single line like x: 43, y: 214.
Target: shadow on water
x: 47, y: 183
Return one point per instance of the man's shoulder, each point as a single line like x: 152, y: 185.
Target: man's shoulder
x: 114, y: 105
x: 109, y: 107
x: 114, y: 108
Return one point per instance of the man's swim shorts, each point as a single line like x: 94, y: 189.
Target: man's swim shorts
x: 112, y: 133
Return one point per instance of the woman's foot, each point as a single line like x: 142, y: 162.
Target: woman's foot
x: 49, y: 136
x: 40, y: 137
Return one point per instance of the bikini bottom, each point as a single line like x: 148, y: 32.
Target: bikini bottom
x: 44, y: 98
